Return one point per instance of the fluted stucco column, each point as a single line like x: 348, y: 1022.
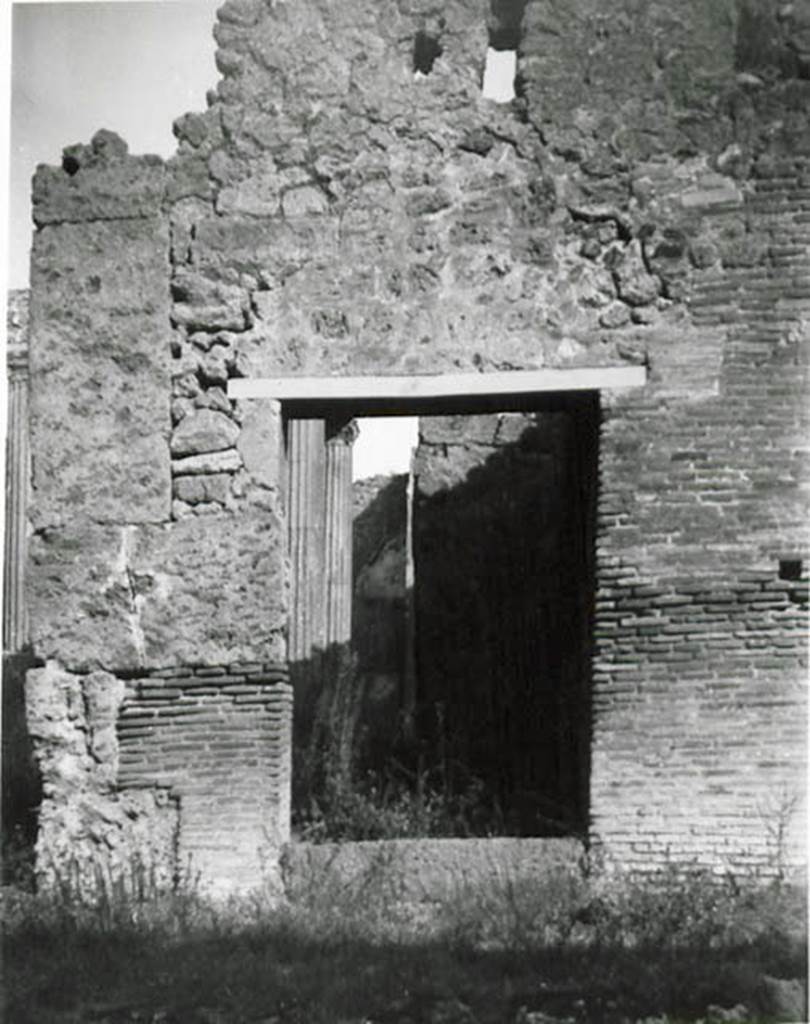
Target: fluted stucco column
x: 306, y: 497
x: 339, y: 518
x: 15, y: 629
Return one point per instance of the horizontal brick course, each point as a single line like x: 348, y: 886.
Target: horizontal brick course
x: 219, y: 737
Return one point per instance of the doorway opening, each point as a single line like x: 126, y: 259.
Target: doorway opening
x: 459, y: 702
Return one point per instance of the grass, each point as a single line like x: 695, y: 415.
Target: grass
x: 575, y: 947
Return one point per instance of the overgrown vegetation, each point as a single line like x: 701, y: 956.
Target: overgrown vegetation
x: 573, y: 945
x: 390, y: 804
x: 341, y: 794
x: 344, y: 791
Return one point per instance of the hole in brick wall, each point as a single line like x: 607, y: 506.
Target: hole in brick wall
x: 426, y: 50
x: 790, y: 569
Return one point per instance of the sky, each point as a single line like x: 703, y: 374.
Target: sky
x: 133, y: 67
x: 78, y: 67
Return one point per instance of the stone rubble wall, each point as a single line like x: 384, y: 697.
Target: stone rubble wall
x: 360, y: 218
x: 91, y: 837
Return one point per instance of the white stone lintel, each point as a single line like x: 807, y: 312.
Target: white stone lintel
x: 446, y: 385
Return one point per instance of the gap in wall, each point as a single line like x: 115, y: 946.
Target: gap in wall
x: 384, y: 445
x: 499, y: 75
x: 427, y: 49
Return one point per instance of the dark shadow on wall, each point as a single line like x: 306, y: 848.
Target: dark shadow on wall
x: 22, y: 789
x: 504, y: 596
x: 769, y: 41
x: 325, y: 704
x: 381, y: 616
x: 349, y: 699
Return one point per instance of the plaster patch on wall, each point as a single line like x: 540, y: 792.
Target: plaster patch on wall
x: 121, y: 575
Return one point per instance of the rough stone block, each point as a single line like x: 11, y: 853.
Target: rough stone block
x: 719, y: 195
x: 257, y: 196
x: 71, y: 720
x: 634, y: 285
x: 213, y: 398
x: 259, y: 442
x: 204, y: 431
x: 203, y: 304
x: 103, y: 694
x: 89, y: 845
x: 263, y: 245
x: 78, y: 596
x: 458, y: 429
x: 100, y: 372
x: 187, y: 177
x: 204, y: 488
x: 124, y: 188
x: 200, y: 590
x: 616, y: 315
x: 212, y: 462
x: 304, y: 201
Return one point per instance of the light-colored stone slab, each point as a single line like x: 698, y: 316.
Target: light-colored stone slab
x: 447, y: 385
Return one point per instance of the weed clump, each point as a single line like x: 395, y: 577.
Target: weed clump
x: 380, y: 805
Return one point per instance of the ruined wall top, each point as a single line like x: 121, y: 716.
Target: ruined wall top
x: 351, y: 203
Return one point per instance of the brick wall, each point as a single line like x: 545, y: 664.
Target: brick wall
x: 218, y: 739
x: 701, y: 663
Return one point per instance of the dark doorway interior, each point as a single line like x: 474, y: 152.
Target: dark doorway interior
x: 503, y: 541
x: 487, y: 721
x: 22, y: 789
